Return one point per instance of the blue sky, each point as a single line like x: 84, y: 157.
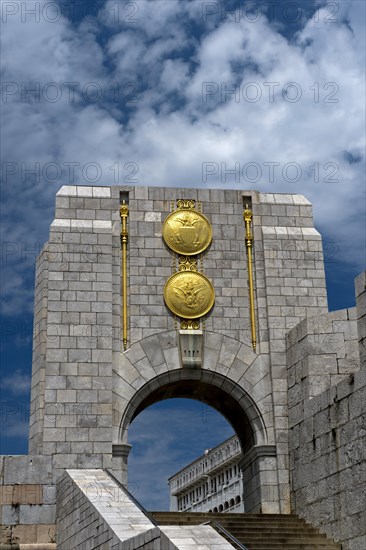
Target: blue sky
x: 253, y: 95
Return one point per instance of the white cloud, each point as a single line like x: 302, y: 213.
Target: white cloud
x: 171, y: 131
x: 174, y: 76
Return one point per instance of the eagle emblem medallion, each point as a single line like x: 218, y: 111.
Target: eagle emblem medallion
x: 187, y: 232
x: 189, y: 294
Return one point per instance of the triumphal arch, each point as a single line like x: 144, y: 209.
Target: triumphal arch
x: 148, y: 293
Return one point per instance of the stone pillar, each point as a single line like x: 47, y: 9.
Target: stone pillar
x: 36, y: 421
x: 120, y: 454
x: 291, y: 287
x: 259, y: 469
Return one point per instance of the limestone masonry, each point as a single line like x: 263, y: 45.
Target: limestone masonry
x: 296, y: 400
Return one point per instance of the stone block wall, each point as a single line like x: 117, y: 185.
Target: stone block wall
x: 361, y: 316
x: 321, y: 351
x: 328, y: 462
x: 71, y: 414
x: 327, y: 423
x: 27, y: 500
x: 290, y: 286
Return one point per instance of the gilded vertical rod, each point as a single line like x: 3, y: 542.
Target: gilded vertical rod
x: 124, y: 238
x: 174, y: 266
x: 248, y: 216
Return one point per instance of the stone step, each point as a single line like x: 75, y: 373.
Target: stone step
x: 222, y: 517
x: 255, y: 527
x: 230, y: 515
x: 284, y: 539
x: 290, y: 543
x: 257, y: 531
x: 273, y: 534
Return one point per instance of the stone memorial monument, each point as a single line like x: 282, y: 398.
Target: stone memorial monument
x: 148, y: 293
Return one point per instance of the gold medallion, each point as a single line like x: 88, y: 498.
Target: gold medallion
x: 187, y: 232
x: 189, y: 294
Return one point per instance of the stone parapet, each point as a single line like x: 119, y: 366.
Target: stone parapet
x: 327, y: 414
x: 96, y: 512
x: 360, y: 284
x: 321, y: 351
x: 328, y: 462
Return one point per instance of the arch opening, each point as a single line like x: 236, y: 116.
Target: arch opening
x: 235, y: 404
x: 213, y: 389
x: 175, y: 440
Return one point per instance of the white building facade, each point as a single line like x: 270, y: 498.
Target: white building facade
x: 212, y: 483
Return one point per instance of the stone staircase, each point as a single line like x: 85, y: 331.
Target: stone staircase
x: 257, y: 531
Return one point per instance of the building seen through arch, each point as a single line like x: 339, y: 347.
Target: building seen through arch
x: 148, y: 293
x: 212, y: 483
